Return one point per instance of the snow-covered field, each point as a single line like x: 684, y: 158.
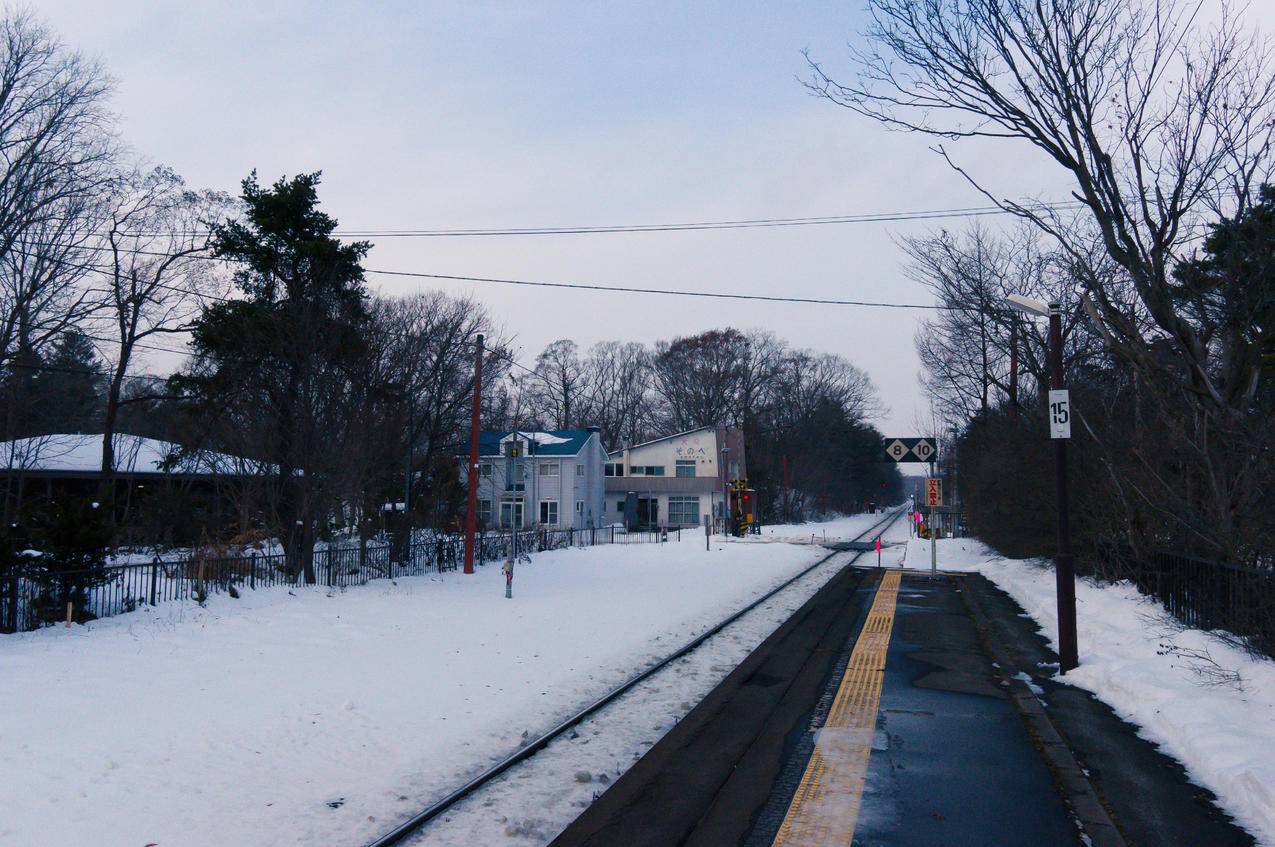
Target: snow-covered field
x: 1224, y: 735
x: 302, y: 717
x: 843, y: 528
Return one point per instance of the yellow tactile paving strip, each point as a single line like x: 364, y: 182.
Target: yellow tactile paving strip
x: 825, y: 808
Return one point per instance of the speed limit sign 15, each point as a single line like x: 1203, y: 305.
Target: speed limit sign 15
x: 1059, y: 414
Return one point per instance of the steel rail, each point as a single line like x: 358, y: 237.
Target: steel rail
x: 410, y: 826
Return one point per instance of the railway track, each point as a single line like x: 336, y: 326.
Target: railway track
x: 410, y: 827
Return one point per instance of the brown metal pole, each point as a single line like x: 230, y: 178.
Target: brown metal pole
x: 1064, y: 564
x: 1013, y: 371
x: 787, y: 518
x: 471, y: 513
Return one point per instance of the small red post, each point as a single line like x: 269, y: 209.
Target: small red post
x: 471, y: 513
x: 878, y: 551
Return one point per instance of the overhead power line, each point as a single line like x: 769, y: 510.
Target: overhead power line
x: 691, y: 226
x: 618, y: 289
x: 666, y: 291
x: 754, y: 223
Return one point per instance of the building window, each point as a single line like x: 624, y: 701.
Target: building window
x: 683, y: 511
x: 686, y: 467
x: 484, y: 469
x: 484, y: 513
x: 511, y: 513
x: 619, y: 506
x: 579, y: 468
x: 548, y: 468
x: 613, y: 469
x: 549, y: 512
x: 579, y: 507
x: 655, y: 470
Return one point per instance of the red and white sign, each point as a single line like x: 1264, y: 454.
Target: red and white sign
x: 934, y: 492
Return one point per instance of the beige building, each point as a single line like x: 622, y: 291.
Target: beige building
x: 674, y: 481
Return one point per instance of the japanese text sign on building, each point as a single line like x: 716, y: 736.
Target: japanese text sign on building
x: 934, y: 492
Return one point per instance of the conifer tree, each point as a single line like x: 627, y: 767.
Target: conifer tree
x: 280, y: 368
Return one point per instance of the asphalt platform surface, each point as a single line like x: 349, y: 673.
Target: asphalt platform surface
x: 963, y: 752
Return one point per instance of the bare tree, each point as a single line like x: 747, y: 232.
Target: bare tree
x: 157, y: 235
x: 1156, y: 125
x: 558, y: 393
x: 426, y: 352
x: 1161, y: 124
x: 699, y: 378
x: 620, y: 399
x: 56, y: 148
x: 965, y: 349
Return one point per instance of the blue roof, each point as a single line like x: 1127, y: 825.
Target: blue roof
x: 560, y: 442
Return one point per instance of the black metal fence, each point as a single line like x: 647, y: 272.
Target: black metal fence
x: 32, y: 596
x: 1200, y: 593
x: 1212, y: 595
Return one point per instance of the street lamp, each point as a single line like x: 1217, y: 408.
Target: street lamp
x: 725, y: 496
x: 1064, y: 564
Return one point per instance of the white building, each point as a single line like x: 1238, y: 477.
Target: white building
x: 674, y: 481
x: 557, y: 483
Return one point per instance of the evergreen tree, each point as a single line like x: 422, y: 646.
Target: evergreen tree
x: 70, y: 387
x: 73, y: 534
x: 280, y: 368
x: 1229, y: 291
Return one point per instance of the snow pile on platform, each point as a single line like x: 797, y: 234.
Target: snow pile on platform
x: 299, y: 717
x: 1224, y: 736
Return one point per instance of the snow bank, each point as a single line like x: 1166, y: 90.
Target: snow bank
x: 1224, y: 736
x: 302, y: 717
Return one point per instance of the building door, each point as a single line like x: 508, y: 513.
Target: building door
x: 510, y: 514
x: 648, y: 512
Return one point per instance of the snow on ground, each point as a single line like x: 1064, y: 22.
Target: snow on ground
x: 1223, y: 735
x: 843, y: 528
x: 307, y: 717
x: 535, y: 801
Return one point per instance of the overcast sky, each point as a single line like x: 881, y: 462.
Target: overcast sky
x: 447, y: 115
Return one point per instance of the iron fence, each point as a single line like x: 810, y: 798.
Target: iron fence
x: 32, y: 596
x: 1213, y: 595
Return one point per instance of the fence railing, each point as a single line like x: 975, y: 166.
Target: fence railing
x: 1212, y: 595
x: 1200, y: 593
x: 32, y: 596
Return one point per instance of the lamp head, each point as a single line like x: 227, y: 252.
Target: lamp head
x: 1028, y: 305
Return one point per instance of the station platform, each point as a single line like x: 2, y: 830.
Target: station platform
x: 895, y: 708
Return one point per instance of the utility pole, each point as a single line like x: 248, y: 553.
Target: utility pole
x: 407, y: 481
x: 1013, y: 370
x: 1064, y: 564
x: 471, y: 512
x: 725, y: 493
x: 787, y: 514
